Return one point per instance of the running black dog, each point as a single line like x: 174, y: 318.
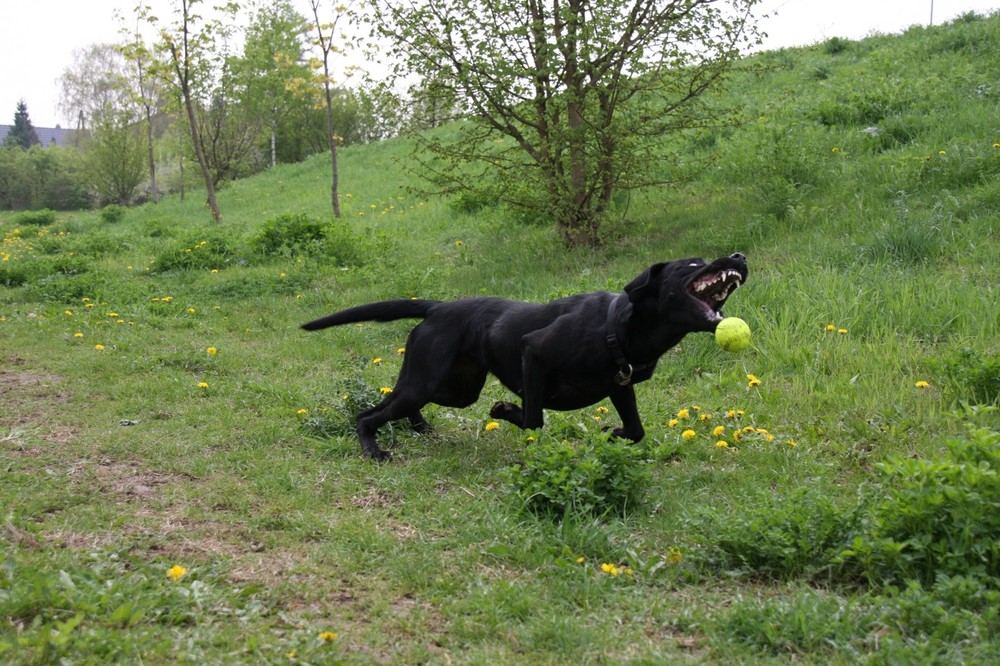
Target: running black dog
x: 566, y: 354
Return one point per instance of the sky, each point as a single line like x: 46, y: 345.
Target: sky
x: 38, y: 37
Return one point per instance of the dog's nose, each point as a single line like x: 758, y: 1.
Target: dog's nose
x: 739, y: 256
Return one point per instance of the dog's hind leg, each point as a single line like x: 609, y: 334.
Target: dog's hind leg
x: 395, y: 406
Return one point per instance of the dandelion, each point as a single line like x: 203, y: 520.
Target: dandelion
x: 492, y: 425
x: 302, y: 412
x: 385, y: 390
x: 830, y: 328
x: 792, y: 443
x: 718, y: 431
x: 211, y: 351
x: 753, y: 381
x: 530, y: 439
x: 688, y: 434
x: 580, y: 560
x: 191, y: 311
x: 69, y: 313
x: 835, y: 150
x: 683, y: 414
x: 327, y: 636
x: 673, y: 555
x: 176, y: 572
x: 602, y: 410
x: 922, y: 384
x: 99, y: 347
x: 167, y: 299
x: 113, y: 315
x: 78, y: 335
x: 996, y: 145
x: 704, y: 417
x: 611, y: 569
x: 377, y: 361
x: 203, y: 385
x: 722, y: 444
x: 401, y: 350
x: 842, y: 331
x: 672, y: 423
x: 941, y: 152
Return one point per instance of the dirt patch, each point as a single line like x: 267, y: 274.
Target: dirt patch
x: 26, y: 397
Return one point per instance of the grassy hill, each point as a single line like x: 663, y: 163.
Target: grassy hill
x: 160, y: 407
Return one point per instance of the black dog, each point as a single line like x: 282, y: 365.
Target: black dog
x: 566, y: 354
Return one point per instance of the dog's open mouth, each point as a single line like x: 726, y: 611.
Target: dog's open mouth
x: 712, y: 289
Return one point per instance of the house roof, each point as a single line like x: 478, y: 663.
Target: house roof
x: 46, y: 135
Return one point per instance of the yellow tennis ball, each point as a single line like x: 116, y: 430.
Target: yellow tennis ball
x: 732, y: 334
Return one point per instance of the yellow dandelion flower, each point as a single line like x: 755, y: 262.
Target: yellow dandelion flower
x: 530, y: 439
x: 302, y: 412
x: 792, y: 443
x: 401, y: 350
x: 211, y: 351
x: 688, y: 434
x: 611, y: 569
x: 731, y: 414
x: 718, y: 431
x: 99, y: 347
x: 768, y: 438
x: 385, y: 390
x: 602, y: 410
x: 203, y: 385
x: 492, y: 425
x: 842, y: 331
x: 753, y: 381
x: 580, y: 560
x: 327, y: 636
x: 673, y: 555
x: 176, y: 572
x: 78, y: 335
x: 85, y: 299
x: 672, y: 423
x: 830, y: 328
x: 722, y: 444
x: 377, y: 361
x: 69, y: 313
x: 922, y: 384
x: 683, y: 414
x: 191, y: 310
x: 704, y: 417
x: 749, y: 429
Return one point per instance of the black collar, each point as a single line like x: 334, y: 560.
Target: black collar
x: 618, y: 311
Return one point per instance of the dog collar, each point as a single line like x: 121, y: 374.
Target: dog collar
x: 617, y: 311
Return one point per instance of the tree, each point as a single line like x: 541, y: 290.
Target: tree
x: 567, y: 100
x: 329, y: 41
x: 273, y: 55
x: 189, y: 50
x: 94, y: 85
x: 22, y: 134
x: 114, y: 156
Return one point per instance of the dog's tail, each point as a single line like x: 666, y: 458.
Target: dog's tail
x: 403, y: 308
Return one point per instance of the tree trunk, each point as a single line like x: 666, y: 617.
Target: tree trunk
x: 153, y: 192
x: 332, y: 138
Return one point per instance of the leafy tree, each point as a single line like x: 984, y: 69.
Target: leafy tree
x: 94, y: 85
x: 190, y: 48
x: 329, y: 42
x: 115, y: 157
x: 273, y: 55
x: 568, y: 100
x: 22, y: 134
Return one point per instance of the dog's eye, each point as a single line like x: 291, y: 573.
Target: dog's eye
x: 695, y: 264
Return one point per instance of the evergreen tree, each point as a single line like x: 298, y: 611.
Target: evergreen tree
x: 22, y: 135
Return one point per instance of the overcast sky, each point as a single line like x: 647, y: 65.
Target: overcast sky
x: 38, y: 37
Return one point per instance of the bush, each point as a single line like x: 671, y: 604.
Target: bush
x: 205, y: 250
x: 781, y: 536
x: 974, y: 377
x: 934, y: 518
x: 112, y: 213
x: 299, y: 234
x: 595, y: 475
x: 37, y: 218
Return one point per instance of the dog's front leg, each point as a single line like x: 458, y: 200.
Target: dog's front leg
x: 624, y: 401
x: 528, y: 415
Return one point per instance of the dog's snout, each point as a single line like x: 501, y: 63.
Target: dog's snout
x: 739, y: 256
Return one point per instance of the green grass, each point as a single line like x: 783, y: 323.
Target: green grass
x: 240, y: 466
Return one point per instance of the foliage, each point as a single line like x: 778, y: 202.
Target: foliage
x: 35, y: 218
x: 22, y: 134
x: 973, y: 376
x: 295, y: 234
x: 932, y: 518
x: 205, y: 250
x: 564, y: 105
x: 115, y: 157
x: 41, y: 178
x: 112, y: 214
x: 597, y: 474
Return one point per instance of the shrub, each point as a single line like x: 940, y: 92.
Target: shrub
x: 205, y: 250
x: 973, y: 376
x: 299, y: 234
x: 934, y: 518
x: 595, y: 475
x: 780, y: 536
x: 36, y: 218
x: 112, y: 213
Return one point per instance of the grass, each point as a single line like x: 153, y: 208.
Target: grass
x: 239, y: 465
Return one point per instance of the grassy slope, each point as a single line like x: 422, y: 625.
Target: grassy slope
x: 118, y: 465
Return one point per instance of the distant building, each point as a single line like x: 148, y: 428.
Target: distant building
x: 47, y: 136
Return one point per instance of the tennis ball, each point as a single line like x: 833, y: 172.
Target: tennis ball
x: 732, y: 334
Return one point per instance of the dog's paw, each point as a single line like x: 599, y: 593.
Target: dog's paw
x: 377, y: 454
x: 507, y: 411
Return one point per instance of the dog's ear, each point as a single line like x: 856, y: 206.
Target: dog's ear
x: 646, y: 281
